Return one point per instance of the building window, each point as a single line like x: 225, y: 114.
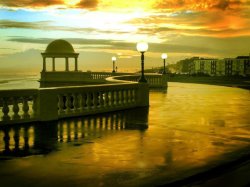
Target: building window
x: 213, y: 67
x: 202, y: 67
x: 228, y: 67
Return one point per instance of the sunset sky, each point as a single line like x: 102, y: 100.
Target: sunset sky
x: 100, y: 29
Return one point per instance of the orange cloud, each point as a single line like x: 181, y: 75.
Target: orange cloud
x: 220, y: 18
x: 200, y: 4
x: 88, y: 4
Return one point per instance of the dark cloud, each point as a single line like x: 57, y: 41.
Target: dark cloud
x: 121, y: 45
x: 227, y: 32
x: 47, y: 25
x: 85, y: 4
x: 227, y: 4
x: 23, y: 25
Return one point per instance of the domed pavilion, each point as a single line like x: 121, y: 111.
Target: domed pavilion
x: 60, y: 49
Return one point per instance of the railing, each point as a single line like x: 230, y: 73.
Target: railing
x: 96, y: 99
x: 18, y: 105
x: 104, y: 75
x: 52, y: 79
x: 45, y: 104
x: 154, y: 80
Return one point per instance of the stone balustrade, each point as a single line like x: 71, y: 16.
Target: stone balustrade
x: 104, y: 75
x: 154, y: 80
x: 46, y: 104
x: 18, y: 105
x: 100, y: 75
x: 74, y: 78
x: 98, y: 99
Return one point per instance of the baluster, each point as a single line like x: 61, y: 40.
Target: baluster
x: 80, y: 102
x: 84, y: 99
x: 89, y: 101
x: 130, y: 96
x: 60, y: 104
x: 95, y: 100
x: 25, y: 108
x: 107, y: 99
x: 122, y: 97
x: 112, y: 98
x: 117, y: 98
x: 34, y: 105
x: 15, y: 109
x: 101, y: 99
x: 133, y: 96
x: 126, y: 96
x: 68, y: 103
x: 5, y: 109
x: 75, y: 102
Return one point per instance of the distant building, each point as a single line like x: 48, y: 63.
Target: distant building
x: 221, y: 67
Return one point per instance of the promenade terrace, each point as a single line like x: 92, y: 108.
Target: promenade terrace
x: 75, y: 93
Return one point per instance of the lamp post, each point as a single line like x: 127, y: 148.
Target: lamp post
x: 113, y: 60
x: 164, y: 56
x: 142, y: 47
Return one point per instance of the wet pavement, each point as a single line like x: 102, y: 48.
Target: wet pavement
x: 187, y: 130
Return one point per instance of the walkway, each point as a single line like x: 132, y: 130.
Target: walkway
x: 188, y: 129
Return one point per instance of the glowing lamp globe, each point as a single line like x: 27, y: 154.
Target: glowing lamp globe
x: 142, y: 47
x: 113, y: 58
x: 164, y: 56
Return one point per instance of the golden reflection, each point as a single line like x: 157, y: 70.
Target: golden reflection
x: 191, y: 126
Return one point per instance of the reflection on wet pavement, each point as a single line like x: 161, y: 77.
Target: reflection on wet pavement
x: 186, y: 128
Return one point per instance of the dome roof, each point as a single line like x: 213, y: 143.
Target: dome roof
x: 59, y: 47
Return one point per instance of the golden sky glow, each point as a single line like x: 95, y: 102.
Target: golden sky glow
x: 71, y: 2
x: 110, y: 27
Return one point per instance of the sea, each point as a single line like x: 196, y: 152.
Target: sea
x: 19, y: 81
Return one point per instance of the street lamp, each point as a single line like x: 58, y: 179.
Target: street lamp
x: 142, y: 47
x: 164, y: 56
x: 113, y: 60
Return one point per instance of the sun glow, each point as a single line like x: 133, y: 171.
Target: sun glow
x: 71, y: 2
x: 131, y: 5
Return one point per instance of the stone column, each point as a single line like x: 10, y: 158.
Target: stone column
x: 47, y: 105
x: 67, y: 64
x: 76, y: 64
x: 53, y: 64
x: 44, y: 64
x: 143, y: 94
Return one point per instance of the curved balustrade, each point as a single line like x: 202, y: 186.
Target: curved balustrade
x: 46, y: 104
x: 104, y: 75
x: 154, y: 80
x: 100, y: 75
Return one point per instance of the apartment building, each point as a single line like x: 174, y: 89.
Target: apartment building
x: 221, y: 67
